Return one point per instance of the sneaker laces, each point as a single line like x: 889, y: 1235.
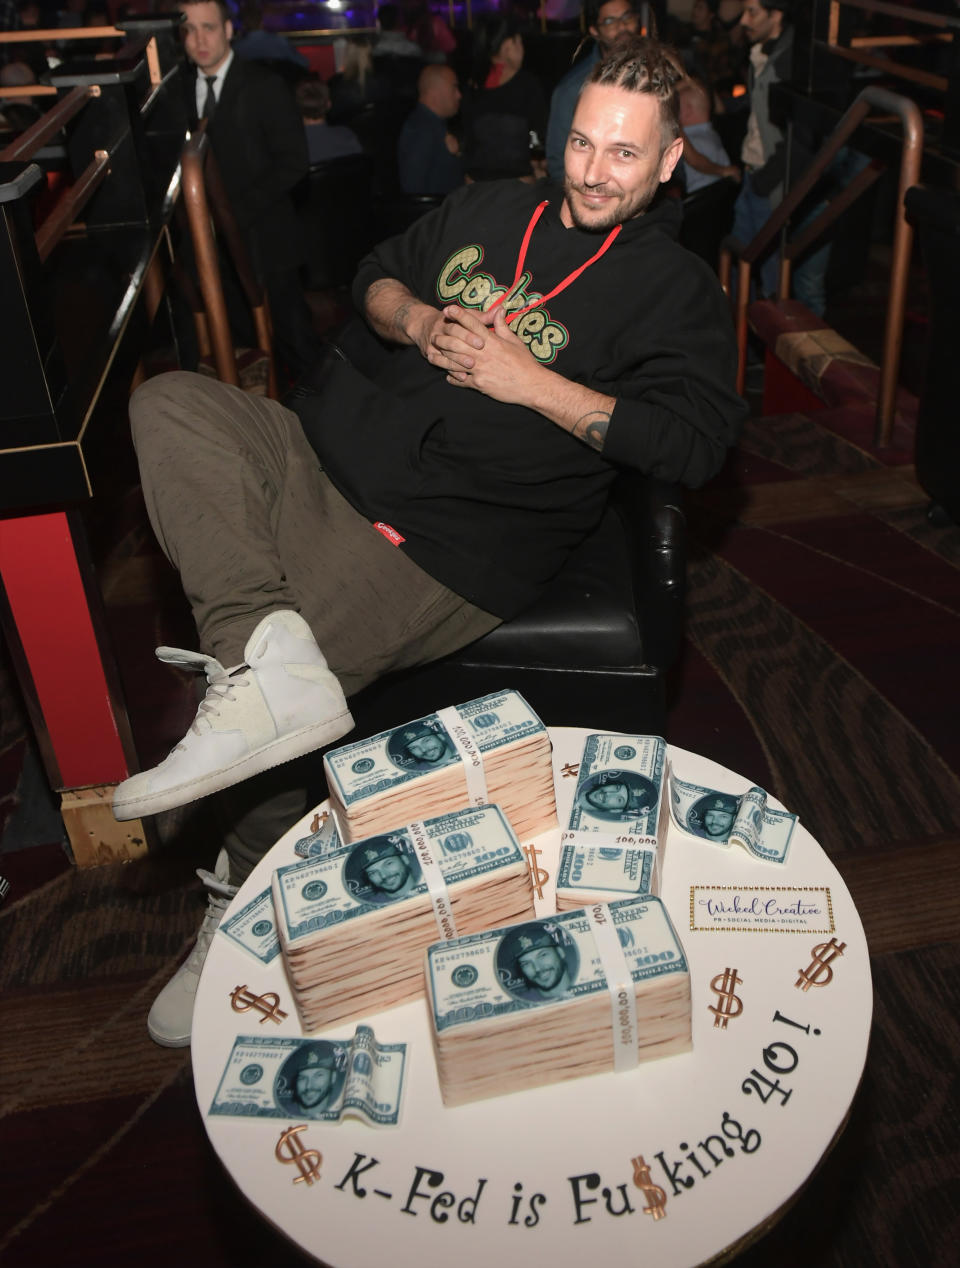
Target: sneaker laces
x: 219, y: 691
x: 219, y: 897
x: 220, y: 684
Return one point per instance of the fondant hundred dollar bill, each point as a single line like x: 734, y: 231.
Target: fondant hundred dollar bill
x: 371, y: 767
x: 384, y: 869
x: 324, y: 840
x: 255, y: 928
x: 321, y: 1079
x: 612, y: 871
x: 539, y: 962
x: 732, y: 819
x: 619, y: 789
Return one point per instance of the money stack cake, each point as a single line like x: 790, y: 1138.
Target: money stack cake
x: 354, y: 923
x: 613, y: 844
x: 583, y: 992
x: 494, y: 749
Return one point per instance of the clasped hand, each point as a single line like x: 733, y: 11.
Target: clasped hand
x: 482, y: 352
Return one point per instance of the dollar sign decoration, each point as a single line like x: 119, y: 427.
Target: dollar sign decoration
x: 308, y: 1160
x: 652, y: 1192
x: 538, y: 875
x: 243, y: 999
x: 319, y: 819
x: 819, y: 972
x: 728, y: 1004
x: 571, y: 769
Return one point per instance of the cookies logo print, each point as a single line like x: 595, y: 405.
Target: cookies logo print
x: 457, y: 282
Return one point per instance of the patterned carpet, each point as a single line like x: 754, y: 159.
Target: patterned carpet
x: 822, y: 637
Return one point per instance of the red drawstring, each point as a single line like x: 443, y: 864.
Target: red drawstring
x: 561, y: 286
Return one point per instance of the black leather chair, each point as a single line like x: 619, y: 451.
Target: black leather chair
x: 708, y: 218
x: 594, y: 650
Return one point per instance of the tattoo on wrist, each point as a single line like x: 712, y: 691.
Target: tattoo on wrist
x: 592, y: 428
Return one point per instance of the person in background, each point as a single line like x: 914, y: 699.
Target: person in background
x: 391, y: 41
x: 428, y: 30
x: 505, y: 112
x: 612, y: 24
x: 428, y: 154
x: 702, y: 135
x: 257, y: 137
x: 324, y: 141
x: 259, y: 45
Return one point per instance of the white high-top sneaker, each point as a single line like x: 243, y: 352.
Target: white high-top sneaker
x: 171, y: 1016
x: 280, y: 703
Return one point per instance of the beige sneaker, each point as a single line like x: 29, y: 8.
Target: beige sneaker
x: 280, y: 703
x: 171, y: 1016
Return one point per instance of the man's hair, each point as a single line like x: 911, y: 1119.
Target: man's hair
x: 221, y: 5
x: 388, y: 15
x: 646, y: 66
x: 785, y: 7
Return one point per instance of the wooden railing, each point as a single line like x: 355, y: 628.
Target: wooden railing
x: 748, y: 254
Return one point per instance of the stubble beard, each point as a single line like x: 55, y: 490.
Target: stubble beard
x: 617, y: 214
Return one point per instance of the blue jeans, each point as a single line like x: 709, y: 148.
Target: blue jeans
x: 751, y: 212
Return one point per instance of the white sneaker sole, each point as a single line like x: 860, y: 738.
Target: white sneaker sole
x: 165, y: 1041
x: 283, y: 749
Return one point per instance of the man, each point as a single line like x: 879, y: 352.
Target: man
x: 531, y: 341
x: 428, y: 154
x: 612, y: 25
x: 314, y: 1081
x: 258, y: 140
x: 420, y: 747
x: 388, y: 871
x: 764, y: 152
x: 699, y: 131
x: 718, y: 816
x: 620, y: 795
x: 543, y: 966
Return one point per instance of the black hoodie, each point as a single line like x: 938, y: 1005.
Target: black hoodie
x: 490, y: 498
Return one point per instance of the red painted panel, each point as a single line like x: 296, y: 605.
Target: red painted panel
x: 45, y: 592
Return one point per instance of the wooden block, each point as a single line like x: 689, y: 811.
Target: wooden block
x: 96, y: 837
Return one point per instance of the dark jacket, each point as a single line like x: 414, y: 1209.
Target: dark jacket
x: 258, y: 139
x: 490, y: 498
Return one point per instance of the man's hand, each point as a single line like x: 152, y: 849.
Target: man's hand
x: 487, y: 356
x: 396, y: 314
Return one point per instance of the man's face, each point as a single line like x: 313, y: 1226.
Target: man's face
x: 717, y: 823
x: 543, y: 967
x: 616, y: 26
x: 447, y: 94
x: 313, y: 1084
x: 609, y: 796
x: 759, y: 23
x: 612, y: 163
x: 427, y: 748
x: 389, y: 874
x: 206, y: 36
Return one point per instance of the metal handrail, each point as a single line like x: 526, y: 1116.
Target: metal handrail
x: 912, y: 123
x: 71, y: 203
x: 199, y: 172
x: 49, y: 124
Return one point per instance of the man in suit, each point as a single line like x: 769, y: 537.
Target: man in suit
x: 258, y: 140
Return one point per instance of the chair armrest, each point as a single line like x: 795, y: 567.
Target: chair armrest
x: 653, y: 519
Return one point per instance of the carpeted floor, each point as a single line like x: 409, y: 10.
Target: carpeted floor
x: 822, y: 636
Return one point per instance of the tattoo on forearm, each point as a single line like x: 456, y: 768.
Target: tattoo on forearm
x: 400, y: 319
x: 592, y: 428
